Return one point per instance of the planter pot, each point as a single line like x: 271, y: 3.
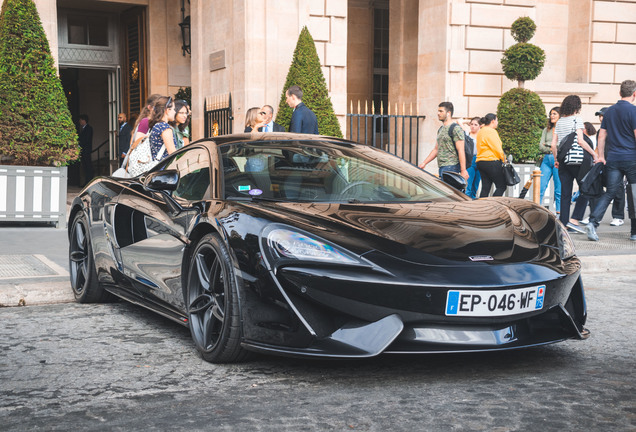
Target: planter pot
x: 33, y: 194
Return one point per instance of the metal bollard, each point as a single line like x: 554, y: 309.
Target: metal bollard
x: 536, y: 186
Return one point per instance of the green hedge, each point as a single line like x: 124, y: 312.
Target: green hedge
x: 35, y: 123
x: 522, y: 117
x: 306, y: 73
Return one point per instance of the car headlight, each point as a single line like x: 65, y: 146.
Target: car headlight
x: 282, y: 243
x: 565, y: 243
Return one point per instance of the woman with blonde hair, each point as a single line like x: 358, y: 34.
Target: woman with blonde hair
x: 254, y: 119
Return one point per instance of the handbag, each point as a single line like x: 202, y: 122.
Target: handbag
x: 510, y: 174
x: 140, y: 157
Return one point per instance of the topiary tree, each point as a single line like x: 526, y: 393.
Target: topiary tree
x: 305, y: 72
x: 521, y: 112
x: 522, y: 117
x: 35, y: 123
x: 523, y: 61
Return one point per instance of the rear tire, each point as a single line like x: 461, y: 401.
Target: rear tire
x: 86, y: 287
x: 212, y: 302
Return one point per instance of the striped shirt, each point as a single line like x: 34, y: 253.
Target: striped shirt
x: 564, y: 127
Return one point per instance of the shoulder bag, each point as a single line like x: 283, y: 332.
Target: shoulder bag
x: 510, y: 174
x: 140, y: 157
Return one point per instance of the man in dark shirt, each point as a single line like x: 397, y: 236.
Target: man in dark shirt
x: 618, y: 133
x: 124, y: 135
x: 303, y: 119
x: 85, y: 136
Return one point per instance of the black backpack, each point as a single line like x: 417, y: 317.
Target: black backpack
x: 468, y: 149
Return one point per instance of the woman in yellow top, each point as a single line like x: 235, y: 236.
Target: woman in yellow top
x: 490, y: 157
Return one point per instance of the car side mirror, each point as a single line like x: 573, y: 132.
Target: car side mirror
x: 166, y: 180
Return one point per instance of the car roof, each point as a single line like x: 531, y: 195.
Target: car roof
x: 270, y: 136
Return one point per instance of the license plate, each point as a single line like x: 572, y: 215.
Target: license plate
x: 494, y: 303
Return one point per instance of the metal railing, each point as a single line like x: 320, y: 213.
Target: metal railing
x: 98, y: 163
x: 217, y: 115
x: 396, y: 133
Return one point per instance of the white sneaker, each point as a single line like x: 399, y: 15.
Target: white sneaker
x: 585, y: 221
x: 616, y: 222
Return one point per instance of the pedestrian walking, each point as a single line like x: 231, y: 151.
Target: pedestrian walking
x: 548, y: 170
x: 449, y: 146
x: 618, y: 203
x: 583, y: 200
x: 618, y: 135
x: 474, y: 178
x: 568, y: 139
x: 490, y: 157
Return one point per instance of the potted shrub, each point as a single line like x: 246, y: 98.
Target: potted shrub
x: 521, y: 112
x: 306, y: 73
x: 37, y: 136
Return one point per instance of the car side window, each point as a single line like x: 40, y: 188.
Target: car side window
x: 194, y: 174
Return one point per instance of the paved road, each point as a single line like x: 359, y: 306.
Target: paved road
x: 118, y: 367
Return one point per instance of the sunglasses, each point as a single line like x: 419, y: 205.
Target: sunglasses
x: 262, y: 113
x: 182, y: 101
x: 169, y: 103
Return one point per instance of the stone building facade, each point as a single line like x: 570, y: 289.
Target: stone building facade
x: 406, y: 54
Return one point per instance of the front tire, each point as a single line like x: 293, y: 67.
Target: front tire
x: 86, y: 287
x: 212, y: 301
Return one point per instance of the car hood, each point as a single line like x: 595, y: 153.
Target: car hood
x: 486, y: 229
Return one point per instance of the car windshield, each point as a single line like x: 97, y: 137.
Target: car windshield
x: 324, y: 171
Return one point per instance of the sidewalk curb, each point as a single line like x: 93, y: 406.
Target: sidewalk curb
x: 35, y: 293
x: 608, y: 263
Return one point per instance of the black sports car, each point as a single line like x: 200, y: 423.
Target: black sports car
x: 314, y: 246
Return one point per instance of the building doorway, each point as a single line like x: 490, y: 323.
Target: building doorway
x: 87, y: 92
x: 95, y: 45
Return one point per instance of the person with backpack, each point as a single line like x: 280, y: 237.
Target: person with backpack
x: 569, y: 149
x: 449, y: 147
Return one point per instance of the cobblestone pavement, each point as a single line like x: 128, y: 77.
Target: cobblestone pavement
x: 119, y: 367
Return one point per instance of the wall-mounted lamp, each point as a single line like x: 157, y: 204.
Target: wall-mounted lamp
x: 185, y: 29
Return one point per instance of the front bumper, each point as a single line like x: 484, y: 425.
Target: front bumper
x: 350, y: 315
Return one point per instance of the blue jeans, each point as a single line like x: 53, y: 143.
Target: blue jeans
x: 453, y: 168
x: 614, y: 171
x: 549, y: 171
x: 473, y: 179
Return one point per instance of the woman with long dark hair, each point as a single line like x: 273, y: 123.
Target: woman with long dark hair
x: 161, y: 133
x: 548, y: 170
x: 490, y: 157
x: 180, y: 124
x: 569, y: 122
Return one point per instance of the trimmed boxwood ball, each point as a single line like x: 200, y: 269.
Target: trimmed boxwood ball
x: 523, y: 29
x: 523, y: 62
x: 522, y: 117
x: 36, y: 128
x: 306, y: 73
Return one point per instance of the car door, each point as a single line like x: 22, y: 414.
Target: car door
x: 155, y: 225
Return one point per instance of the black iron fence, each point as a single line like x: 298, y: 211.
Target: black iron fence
x: 217, y: 114
x: 396, y: 133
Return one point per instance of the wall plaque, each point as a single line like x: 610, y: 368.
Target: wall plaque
x: 217, y: 60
